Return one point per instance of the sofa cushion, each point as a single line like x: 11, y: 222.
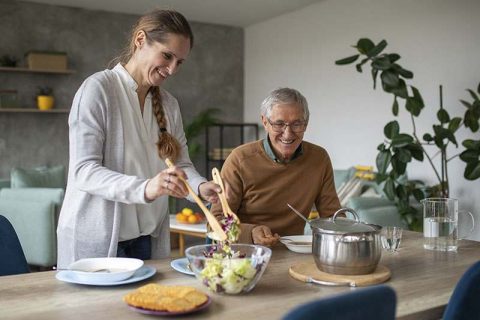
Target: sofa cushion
x: 42, y: 177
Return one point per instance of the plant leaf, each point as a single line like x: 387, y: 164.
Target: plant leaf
x: 471, y: 121
x: 471, y: 144
x: 389, y: 189
x: 381, y: 147
x: 470, y: 155
x: 417, y: 96
x: 377, y: 49
x: 473, y: 94
x: 364, y: 45
x: 472, y: 171
x: 394, y: 57
x: 395, y: 106
x: 401, y: 140
x: 400, y: 90
x: 418, y: 194
x: 347, y: 60
x: 428, y: 137
x: 389, y: 79
x: 404, y: 155
x: 383, y: 161
x: 478, y: 88
x: 416, y: 150
x: 381, y: 63
x: 443, y: 116
x: 413, y: 106
x: 374, y: 76
x: 454, y: 124
x: 391, y: 129
x: 398, y: 167
x: 466, y: 104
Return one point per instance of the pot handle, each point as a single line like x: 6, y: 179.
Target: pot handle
x: 342, y: 210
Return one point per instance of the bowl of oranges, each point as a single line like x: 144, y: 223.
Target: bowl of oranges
x: 188, y: 216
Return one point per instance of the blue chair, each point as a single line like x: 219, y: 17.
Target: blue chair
x: 11, y: 254
x: 465, y: 300
x: 376, y: 302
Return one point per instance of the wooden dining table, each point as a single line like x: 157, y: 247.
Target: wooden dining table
x: 422, y: 279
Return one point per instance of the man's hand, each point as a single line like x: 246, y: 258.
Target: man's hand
x: 263, y: 235
x: 209, y: 191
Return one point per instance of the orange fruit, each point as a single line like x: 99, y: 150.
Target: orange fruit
x: 199, y: 216
x: 187, y: 211
x: 192, y: 219
x: 181, y: 217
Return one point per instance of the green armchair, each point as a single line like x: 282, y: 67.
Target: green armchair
x: 33, y: 211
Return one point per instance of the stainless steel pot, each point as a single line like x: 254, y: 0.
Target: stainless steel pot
x: 345, y: 246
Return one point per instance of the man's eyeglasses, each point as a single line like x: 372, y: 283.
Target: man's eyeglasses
x: 280, y: 126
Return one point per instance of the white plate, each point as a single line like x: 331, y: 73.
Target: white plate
x: 181, y: 266
x: 289, y: 241
x: 114, y: 269
x: 143, y: 273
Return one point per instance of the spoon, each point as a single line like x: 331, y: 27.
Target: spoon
x: 298, y: 213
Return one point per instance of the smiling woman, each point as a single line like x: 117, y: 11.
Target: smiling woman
x: 122, y: 125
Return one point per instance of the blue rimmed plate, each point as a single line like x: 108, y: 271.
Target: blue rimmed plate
x: 143, y: 273
x: 181, y: 265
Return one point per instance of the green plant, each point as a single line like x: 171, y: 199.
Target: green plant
x: 44, y: 91
x: 196, y: 127
x: 399, y: 148
x: 8, y: 61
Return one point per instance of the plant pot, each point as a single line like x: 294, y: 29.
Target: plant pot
x: 45, y: 102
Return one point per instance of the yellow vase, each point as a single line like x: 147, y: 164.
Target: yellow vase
x: 45, y: 102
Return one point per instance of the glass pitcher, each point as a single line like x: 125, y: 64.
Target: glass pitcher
x: 440, y: 224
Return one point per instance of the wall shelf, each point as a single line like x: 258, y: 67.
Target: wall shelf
x: 26, y: 70
x: 33, y: 110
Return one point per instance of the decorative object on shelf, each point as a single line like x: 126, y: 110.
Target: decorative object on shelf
x: 8, y: 61
x: 8, y: 99
x: 399, y: 149
x: 45, y: 99
x: 43, y: 60
x: 196, y: 126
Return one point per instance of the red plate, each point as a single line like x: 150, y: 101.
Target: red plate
x: 177, y: 313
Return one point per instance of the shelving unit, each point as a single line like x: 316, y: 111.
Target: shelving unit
x: 26, y: 70
x: 218, y: 155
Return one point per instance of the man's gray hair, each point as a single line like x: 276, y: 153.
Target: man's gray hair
x: 284, y: 96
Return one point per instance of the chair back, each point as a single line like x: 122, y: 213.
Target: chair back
x: 11, y: 254
x: 376, y: 302
x: 465, y: 300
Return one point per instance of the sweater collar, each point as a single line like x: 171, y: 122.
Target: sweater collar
x: 269, y: 151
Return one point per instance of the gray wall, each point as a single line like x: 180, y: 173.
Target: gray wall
x: 211, y: 77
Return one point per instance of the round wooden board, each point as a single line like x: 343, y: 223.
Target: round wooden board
x: 308, y: 270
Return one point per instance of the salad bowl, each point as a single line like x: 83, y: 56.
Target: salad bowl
x: 232, y: 269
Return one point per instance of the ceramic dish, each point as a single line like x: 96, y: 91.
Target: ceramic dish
x: 300, y: 244
x: 105, y: 269
x: 143, y: 273
x: 167, y: 313
x: 181, y: 265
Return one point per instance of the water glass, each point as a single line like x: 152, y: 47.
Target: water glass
x: 391, y: 237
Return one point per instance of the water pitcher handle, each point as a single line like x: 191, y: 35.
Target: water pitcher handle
x: 473, y: 224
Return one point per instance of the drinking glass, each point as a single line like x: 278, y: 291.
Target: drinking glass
x: 391, y: 238
x: 440, y: 224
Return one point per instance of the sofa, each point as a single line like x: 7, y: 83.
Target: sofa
x: 31, y: 201
x: 369, y: 201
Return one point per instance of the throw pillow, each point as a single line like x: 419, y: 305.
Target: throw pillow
x: 42, y: 177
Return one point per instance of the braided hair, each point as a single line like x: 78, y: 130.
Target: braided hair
x: 157, y: 25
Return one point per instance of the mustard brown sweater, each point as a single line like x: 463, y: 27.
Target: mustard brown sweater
x: 260, y: 188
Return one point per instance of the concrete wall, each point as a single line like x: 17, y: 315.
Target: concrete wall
x: 437, y: 39
x: 211, y: 77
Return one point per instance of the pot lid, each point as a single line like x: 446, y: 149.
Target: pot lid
x: 338, y: 225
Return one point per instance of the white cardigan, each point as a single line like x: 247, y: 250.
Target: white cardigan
x: 89, y: 220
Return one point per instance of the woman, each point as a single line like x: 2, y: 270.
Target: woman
x: 122, y: 127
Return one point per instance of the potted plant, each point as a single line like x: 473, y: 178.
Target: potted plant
x: 398, y: 149
x: 45, y: 99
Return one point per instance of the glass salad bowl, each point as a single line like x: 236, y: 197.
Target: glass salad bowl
x: 230, y: 269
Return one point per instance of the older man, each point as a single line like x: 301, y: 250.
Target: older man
x: 265, y: 175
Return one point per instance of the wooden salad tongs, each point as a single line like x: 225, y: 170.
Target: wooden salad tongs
x: 214, y: 224
x: 227, y: 211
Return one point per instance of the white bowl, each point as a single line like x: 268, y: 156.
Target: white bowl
x: 104, y: 269
x: 300, y: 244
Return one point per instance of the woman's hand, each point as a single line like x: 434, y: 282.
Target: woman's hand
x: 167, y: 182
x: 209, y: 191
x: 263, y: 235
